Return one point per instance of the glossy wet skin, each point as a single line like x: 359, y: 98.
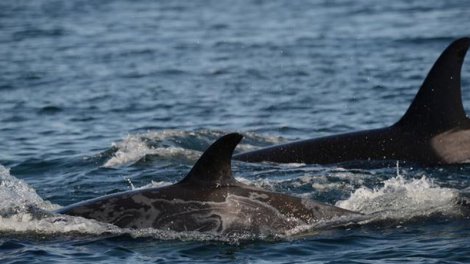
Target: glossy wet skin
x: 221, y: 210
x: 391, y: 143
x: 378, y: 144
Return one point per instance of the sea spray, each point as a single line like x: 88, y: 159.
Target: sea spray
x: 23, y: 210
x: 402, y: 198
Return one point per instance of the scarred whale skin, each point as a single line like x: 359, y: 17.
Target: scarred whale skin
x: 434, y: 130
x: 208, y: 199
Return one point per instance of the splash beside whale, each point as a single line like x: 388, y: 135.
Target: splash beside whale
x: 208, y: 199
x: 433, y: 131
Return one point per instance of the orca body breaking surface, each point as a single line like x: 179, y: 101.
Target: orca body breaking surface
x: 433, y: 131
x: 208, y: 199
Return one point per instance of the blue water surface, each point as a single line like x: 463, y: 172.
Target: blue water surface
x: 100, y: 96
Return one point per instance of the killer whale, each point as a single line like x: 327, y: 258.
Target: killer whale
x: 433, y: 131
x: 208, y: 199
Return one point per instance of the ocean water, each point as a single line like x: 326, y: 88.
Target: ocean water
x: 98, y: 97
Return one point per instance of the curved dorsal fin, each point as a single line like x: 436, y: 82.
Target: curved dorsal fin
x: 214, y: 167
x: 438, y: 104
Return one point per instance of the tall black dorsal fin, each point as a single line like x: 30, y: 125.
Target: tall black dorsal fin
x: 214, y: 167
x: 438, y: 104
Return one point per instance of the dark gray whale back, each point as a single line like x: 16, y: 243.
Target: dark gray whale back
x: 434, y: 129
x: 208, y: 199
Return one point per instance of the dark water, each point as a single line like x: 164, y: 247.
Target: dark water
x: 100, y: 96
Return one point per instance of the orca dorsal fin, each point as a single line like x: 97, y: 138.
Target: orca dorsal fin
x: 214, y: 167
x: 438, y: 105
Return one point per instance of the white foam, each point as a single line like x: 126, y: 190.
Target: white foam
x: 268, y: 184
x: 15, y: 192
x: 133, y: 148
x: 22, y: 210
x: 402, y: 198
x: 24, y: 222
x: 266, y: 139
x: 153, y: 184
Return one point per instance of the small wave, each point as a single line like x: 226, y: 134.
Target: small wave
x: 252, y: 141
x: 15, y: 192
x: 34, y: 32
x: 400, y: 198
x: 22, y: 210
x: 135, y: 147
x: 50, y: 110
x: 152, y: 184
x: 174, y: 144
